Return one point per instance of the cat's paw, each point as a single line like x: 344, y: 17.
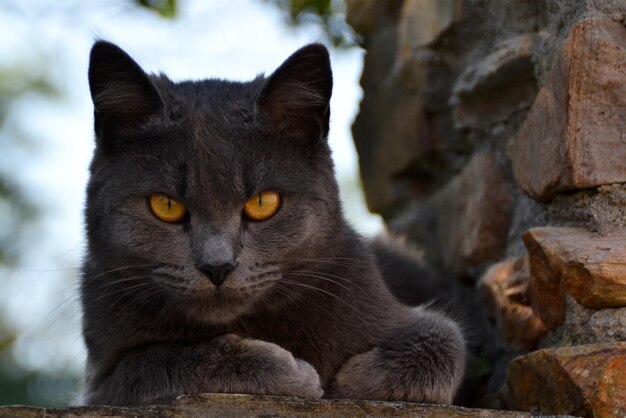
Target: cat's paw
x: 420, y: 363
x: 367, y: 376
x: 280, y: 373
x: 307, y: 382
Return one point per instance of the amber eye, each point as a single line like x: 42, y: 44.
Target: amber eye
x: 166, y: 208
x: 262, y: 206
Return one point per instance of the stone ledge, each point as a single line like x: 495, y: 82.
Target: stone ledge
x: 222, y: 405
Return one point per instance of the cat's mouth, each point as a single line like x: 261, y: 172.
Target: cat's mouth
x: 224, y: 304
x: 201, y: 300
x: 219, y: 307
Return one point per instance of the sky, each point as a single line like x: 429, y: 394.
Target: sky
x: 236, y: 39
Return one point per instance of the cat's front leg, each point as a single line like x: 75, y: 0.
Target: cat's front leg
x: 228, y: 364
x: 421, y: 362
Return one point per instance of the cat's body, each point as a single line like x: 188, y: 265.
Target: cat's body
x: 293, y: 304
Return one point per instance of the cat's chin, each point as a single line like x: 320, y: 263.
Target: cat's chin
x: 221, y: 307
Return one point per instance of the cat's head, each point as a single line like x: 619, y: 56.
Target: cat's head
x: 205, y: 191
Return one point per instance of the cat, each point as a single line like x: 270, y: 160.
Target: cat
x: 218, y: 258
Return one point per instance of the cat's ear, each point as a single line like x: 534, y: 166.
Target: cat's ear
x: 297, y: 95
x: 122, y: 93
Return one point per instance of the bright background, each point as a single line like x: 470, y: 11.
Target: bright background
x: 46, y: 142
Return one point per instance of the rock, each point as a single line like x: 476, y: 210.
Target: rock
x: 395, y: 153
x: 361, y: 15
x: 601, y: 282
x: 590, y: 267
x: 368, y: 17
x: 615, y: 9
x: 446, y: 80
x: 473, y: 214
x: 544, y: 289
x: 586, y: 380
x: 504, y: 289
x: 376, y: 142
x: 422, y: 21
x: 221, y: 405
x: 405, y: 119
x: 588, y: 326
x: 600, y: 210
x: 575, y: 132
x: 505, y: 63
x: 389, y: 147
x: 500, y: 84
x: 527, y: 213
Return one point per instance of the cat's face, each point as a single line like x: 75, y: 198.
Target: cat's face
x: 211, y: 189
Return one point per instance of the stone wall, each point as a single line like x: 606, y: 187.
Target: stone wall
x: 493, y: 134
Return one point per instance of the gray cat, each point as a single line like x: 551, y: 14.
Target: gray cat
x: 218, y: 257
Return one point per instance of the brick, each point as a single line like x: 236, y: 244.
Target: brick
x: 587, y: 380
x: 590, y: 267
x: 574, y: 136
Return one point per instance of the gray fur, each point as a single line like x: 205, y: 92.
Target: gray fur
x: 305, y: 312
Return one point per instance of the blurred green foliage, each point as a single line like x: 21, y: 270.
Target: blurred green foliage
x: 17, y: 212
x: 22, y: 78
x: 329, y: 14
x: 28, y: 387
x: 166, y: 8
x: 17, y: 81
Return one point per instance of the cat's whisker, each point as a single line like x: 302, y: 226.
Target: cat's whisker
x: 133, y: 301
x: 108, y: 283
x: 288, y: 292
x: 124, y: 291
x: 354, y: 264
x: 296, y: 268
x: 355, y: 260
x: 298, y: 297
x: 72, y: 298
x: 322, y: 291
x: 124, y: 268
x: 148, y: 298
x: 245, y: 327
x: 144, y: 295
x: 363, y: 262
x: 59, y: 310
x: 354, y: 287
x: 113, y: 283
x: 329, y: 277
x: 47, y: 322
x: 316, y: 275
x: 51, y: 270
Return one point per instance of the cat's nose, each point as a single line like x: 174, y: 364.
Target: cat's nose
x: 217, y: 273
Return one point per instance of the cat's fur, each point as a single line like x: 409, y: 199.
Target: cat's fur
x: 304, y: 313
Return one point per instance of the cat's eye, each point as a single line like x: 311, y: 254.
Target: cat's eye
x: 262, y: 205
x: 166, y: 208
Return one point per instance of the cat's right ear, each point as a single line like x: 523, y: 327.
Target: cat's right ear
x: 122, y: 93
x: 296, y: 97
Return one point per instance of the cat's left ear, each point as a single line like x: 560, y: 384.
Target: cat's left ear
x: 296, y: 97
